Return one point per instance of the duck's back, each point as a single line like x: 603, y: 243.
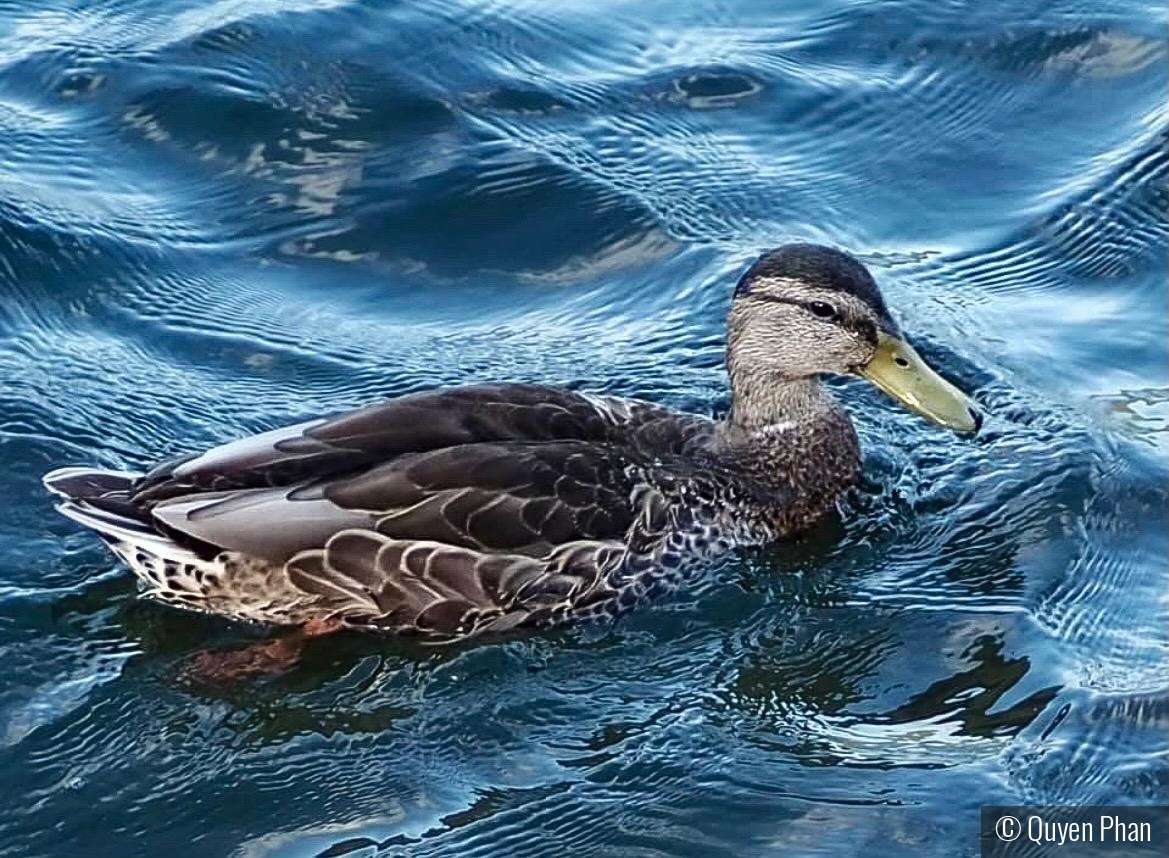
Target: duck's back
x: 444, y: 512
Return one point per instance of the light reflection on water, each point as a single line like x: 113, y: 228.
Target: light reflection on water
x: 216, y: 219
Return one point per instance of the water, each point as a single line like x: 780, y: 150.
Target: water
x: 220, y: 217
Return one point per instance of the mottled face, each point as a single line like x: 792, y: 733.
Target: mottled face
x: 804, y: 310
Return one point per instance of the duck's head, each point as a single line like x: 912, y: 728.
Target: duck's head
x: 805, y: 310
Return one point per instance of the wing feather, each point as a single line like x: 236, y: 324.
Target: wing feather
x: 474, y: 508
x: 446, y: 590
x: 433, y: 420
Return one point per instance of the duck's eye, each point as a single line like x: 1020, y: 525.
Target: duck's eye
x: 822, y: 310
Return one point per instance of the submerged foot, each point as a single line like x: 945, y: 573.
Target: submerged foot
x: 261, y: 659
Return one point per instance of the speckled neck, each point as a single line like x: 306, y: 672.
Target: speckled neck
x: 760, y: 400
x: 793, y: 436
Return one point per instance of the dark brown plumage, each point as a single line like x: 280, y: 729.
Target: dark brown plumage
x: 491, y: 507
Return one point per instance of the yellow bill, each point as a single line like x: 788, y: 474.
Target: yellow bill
x: 900, y: 371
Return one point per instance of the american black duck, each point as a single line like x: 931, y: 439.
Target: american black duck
x: 492, y: 507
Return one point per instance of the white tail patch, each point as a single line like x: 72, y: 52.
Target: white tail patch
x: 161, y: 565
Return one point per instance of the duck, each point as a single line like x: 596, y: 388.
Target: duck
x: 496, y: 507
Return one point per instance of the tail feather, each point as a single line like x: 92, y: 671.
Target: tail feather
x: 110, y: 525
x: 181, y: 575
x: 85, y: 483
x: 100, y: 500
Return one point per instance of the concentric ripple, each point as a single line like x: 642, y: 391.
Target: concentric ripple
x: 220, y: 217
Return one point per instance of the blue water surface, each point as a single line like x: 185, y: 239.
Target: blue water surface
x: 221, y: 216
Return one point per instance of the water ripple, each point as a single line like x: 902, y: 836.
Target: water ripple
x: 217, y: 218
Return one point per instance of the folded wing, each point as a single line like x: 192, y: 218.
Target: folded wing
x: 518, y: 497
x: 412, y: 424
